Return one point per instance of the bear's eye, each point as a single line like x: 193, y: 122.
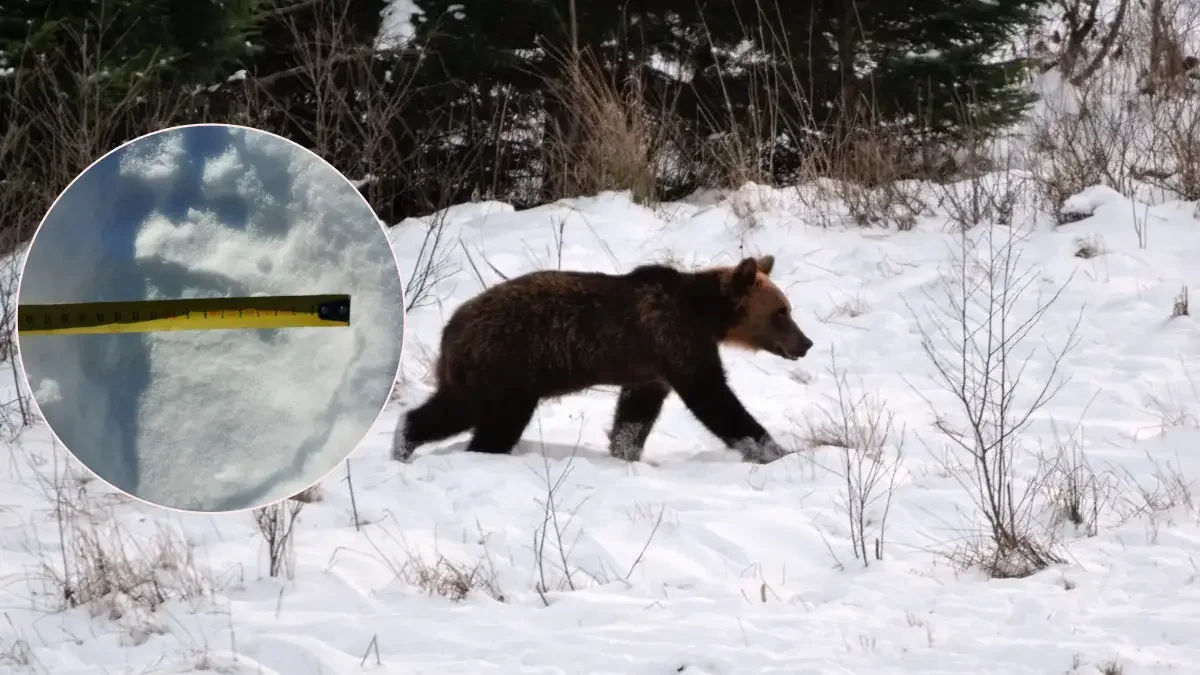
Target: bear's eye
x: 780, y: 314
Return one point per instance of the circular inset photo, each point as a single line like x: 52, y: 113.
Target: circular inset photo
x: 210, y: 318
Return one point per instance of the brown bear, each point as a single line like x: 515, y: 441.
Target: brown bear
x: 650, y: 331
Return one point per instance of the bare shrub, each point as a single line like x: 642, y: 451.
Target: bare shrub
x: 1123, y: 143
x: 1113, y: 134
x: 334, y: 101
x: 16, y: 205
x: 18, y: 413
x: 276, y: 524
x: 432, y: 265
x: 746, y: 148
x: 1096, y: 141
x: 1171, y: 413
x: 825, y: 434
x: 1170, y: 154
x: 868, y: 166
x: 1156, y: 501
x: 870, y: 457
x: 111, y: 565
x: 982, y: 199
x: 971, y: 336
x: 986, y: 186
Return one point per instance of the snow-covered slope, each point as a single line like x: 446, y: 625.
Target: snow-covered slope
x: 695, y: 562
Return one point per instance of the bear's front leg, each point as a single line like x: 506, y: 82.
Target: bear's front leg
x: 706, y: 393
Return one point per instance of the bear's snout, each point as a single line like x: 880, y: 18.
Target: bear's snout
x: 805, y: 345
x: 799, y: 349
x: 792, y: 347
x: 791, y: 343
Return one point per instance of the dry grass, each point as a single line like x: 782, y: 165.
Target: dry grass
x: 100, y: 563
x: 1160, y: 493
x: 601, y: 134
x: 1077, y: 494
x: 451, y: 580
x: 1180, y: 306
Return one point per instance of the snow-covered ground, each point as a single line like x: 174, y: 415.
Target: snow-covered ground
x: 694, y: 562
x: 213, y: 420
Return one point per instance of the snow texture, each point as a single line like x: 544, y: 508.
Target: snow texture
x: 213, y: 420
x: 694, y: 562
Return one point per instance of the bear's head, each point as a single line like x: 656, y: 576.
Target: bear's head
x: 763, y: 313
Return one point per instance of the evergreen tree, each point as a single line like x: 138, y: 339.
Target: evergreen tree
x: 487, y: 65
x: 810, y: 74
x: 125, y: 42
x: 950, y: 59
x: 926, y: 70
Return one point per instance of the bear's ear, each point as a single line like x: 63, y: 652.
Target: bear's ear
x: 744, y: 275
x: 766, y: 264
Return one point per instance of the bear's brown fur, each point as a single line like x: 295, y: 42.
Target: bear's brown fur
x: 651, y: 331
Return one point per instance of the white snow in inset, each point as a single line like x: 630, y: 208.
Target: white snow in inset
x: 226, y: 419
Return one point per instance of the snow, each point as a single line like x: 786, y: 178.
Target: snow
x: 694, y: 562
x: 396, y: 27
x: 214, y: 420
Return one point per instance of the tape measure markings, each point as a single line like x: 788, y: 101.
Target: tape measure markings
x: 145, y: 316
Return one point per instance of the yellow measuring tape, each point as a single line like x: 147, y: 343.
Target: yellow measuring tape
x: 148, y: 316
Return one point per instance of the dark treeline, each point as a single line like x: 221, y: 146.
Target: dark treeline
x: 520, y: 100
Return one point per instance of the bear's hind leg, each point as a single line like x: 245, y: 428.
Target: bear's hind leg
x: 442, y: 416
x: 638, y: 409
x: 499, y: 425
